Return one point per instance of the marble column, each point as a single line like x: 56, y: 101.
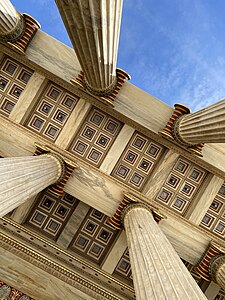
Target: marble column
x: 204, y: 126
x: 217, y: 270
x: 157, y: 270
x: 11, y: 22
x: 24, y: 177
x: 94, y: 27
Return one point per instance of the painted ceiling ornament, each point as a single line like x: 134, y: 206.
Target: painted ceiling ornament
x: 4, y: 292
x: 10, y: 293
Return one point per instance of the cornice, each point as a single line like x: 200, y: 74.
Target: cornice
x: 54, y: 268
x: 81, y: 163
x: 89, y: 98
x: 36, y: 241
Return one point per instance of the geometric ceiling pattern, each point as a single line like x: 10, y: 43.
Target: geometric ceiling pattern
x: 95, y: 237
x: 181, y: 185
x: 138, y: 161
x: 52, y: 111
x: 214, y: 219
x: 51, y: 213
x: 14, y: 77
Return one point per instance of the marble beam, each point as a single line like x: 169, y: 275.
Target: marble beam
x: 73, y: 225
x: 160, y: 174
x: 115, y: 254
x: 28, y: 98
x: 117, y: 149
x: 201, y: 203
x: 73, y: 123
x: 93, y: 187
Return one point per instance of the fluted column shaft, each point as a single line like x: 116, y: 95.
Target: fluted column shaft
x: 204, y: 126
x: 11, y: 22
x: 157, y: 270
x: 24, y: 177
x: 94, y: 27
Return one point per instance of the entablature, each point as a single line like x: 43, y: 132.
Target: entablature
x: 133, y: 106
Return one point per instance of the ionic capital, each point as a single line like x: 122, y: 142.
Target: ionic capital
x: 211, y: 261
x: 129, y: 203
x: 66, y: 167
x: 107, y: 95
x: 193, y: 130
x: 16, y: 29
x: 215, y: 264
x: 172, y: 130
x: 17, y: 32
x: 61, y: 165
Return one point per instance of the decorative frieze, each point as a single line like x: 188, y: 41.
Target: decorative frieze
x: 71, y: 261
x: 51, y: 267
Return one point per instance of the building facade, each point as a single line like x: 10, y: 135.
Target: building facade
x: 103, y: 187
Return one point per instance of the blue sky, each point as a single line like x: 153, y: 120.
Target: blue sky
x: 173, y: 49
